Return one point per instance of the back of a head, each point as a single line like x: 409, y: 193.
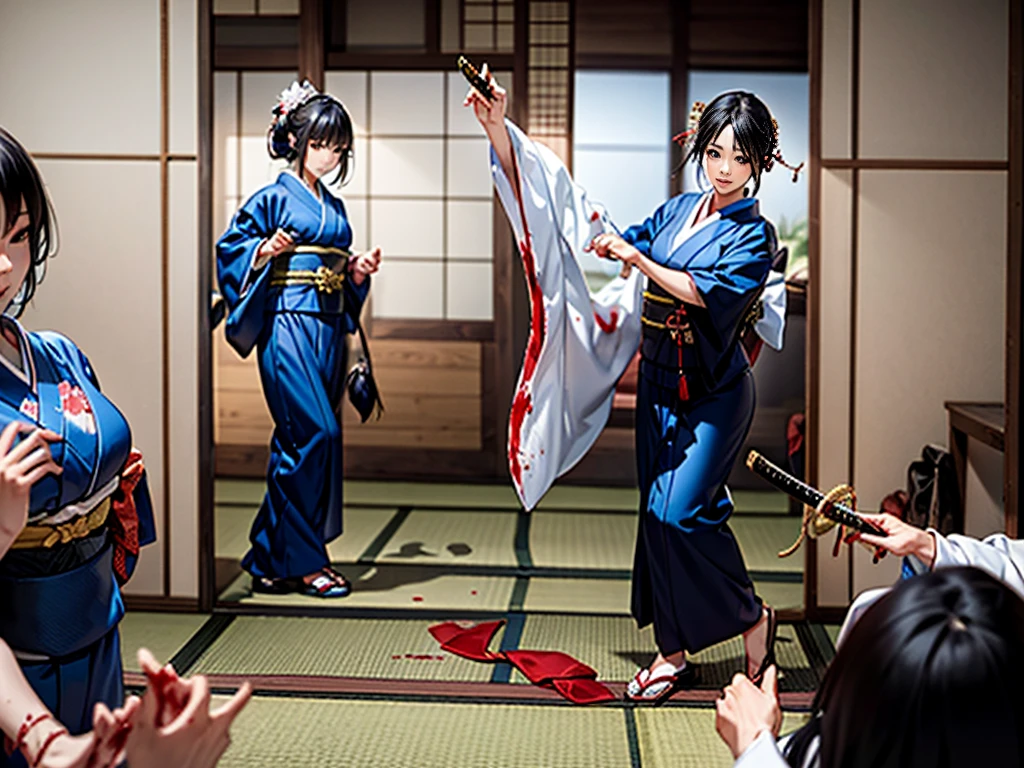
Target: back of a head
x: 932, y: 676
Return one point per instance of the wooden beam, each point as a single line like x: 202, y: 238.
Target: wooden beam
x: 434, y: 330
x: 409, y: 61
x: 311, y: 42
x: 1014, y: 275
x: 207, y: 527
x: 680, y: 108
x: 812, y: 372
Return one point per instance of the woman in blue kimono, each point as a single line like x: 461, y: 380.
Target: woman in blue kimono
x: 294, y: 292
x: 89, y: 506
x: 707, y: 257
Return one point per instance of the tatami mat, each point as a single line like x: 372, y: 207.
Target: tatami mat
x: 163, y: 634
x: 374, y: 648
x: 762, y: 502
x: 603, y: 596
x: 438, y: 537
x: 612, y: 596
x: 334, y: 734
x: 781, y: 595
x: 686, y: 738
x: 361, y: 527
x: 833, y: 632
x: 492, y: 496
x: 431, y: 495
x: 394, y: 587
x: 616, y: 648
x: 612, y: 645
x: 579, y: 540
x: 762, y: 538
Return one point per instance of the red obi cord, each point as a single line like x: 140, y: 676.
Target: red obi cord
x: 553, y: 670
x: 124, y: 523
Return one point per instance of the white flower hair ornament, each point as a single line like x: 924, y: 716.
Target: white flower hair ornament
x: 293, y: 97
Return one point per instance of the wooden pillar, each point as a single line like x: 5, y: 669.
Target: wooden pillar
x: 311, y: 42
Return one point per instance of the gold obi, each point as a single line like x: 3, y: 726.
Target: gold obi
x: 46, y: 536
x: 323, y: 278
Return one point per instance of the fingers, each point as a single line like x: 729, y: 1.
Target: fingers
x: 103, y: 721
x: 228, y: 711
x: 40, y: 439
x: 770, y: 683
x: 10, y: 432
x: 41, y: 471
x: 875, y: 541
x: 197, y: 707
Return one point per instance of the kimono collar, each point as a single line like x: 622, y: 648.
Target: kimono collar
x: 289, y: 179
x: 27, y: 371
x: 745, y: 209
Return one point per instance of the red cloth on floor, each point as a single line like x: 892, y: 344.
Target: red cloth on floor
x: 549, y: 669
x: 469, y: 643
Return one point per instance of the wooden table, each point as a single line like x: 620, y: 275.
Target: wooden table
x: 985, y: 422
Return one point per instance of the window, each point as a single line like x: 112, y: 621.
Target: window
x: 422, y: 192
x: 621, y: 157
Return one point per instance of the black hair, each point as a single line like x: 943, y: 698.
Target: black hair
x: 322, y: 118
x: 929, y: 677
x: 753, y: 127
x: 22, y: 188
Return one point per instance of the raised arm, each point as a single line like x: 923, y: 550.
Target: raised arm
x: 491, y: 115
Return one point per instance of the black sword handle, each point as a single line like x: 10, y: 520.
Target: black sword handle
x: 472, y: 74
x: 805, y: 494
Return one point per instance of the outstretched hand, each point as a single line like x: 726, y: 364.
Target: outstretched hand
x: 903, y: 539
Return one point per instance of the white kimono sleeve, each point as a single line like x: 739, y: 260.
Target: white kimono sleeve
x: 997, y: 555
x: 579, y: 344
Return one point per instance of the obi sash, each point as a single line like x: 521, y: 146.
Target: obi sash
x: 59, y: 615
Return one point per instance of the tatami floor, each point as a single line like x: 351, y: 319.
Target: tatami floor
x: 360, y: 681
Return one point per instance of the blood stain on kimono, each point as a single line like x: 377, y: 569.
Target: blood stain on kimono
x: 609, y: 325
x: 522, y: 403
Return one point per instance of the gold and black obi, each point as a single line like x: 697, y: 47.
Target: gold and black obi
x: 668, y: 355
x: 310, y: 278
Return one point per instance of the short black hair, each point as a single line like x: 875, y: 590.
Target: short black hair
x: 22, y: 188
x: 322, y: 118
x: 929, y: 676
x: 752, y: 125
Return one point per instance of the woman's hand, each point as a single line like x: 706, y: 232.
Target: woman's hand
x: 49, y: 745
x: 174, y: 725
x: 20, y: 468
x: 364, y: 265
x: 491, y: 114
x: 903, y: 539
x: 611, y: 246
x: 277, y: 244
x: 744, y: 711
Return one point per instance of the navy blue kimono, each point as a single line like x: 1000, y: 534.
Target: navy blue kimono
x: 688, y: 575
x: 300, y: 336
x: 60, y: 605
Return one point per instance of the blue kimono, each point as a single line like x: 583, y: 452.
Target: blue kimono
x: 299, y: 331
x: 60, y: 604
x: 688, y: 575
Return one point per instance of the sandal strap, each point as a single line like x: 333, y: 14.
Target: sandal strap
x: 338, y: 578
x: 322, y: 583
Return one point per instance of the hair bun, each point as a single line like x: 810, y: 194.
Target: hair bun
x: 278, y: 144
